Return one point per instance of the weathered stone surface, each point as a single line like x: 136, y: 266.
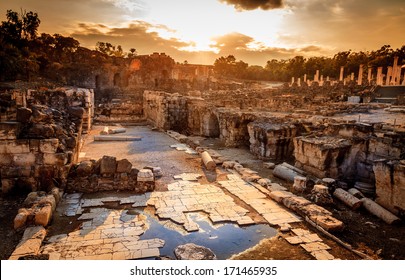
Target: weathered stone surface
x: 145, y: 175
x: 43, y: 216
x: 48, y: 200
x: 85, y: 168
x: 328, y: 223
x: 192, y: 251
x: 30, y: 243
x: 58, y: 159
x: 9, y: 130
x: 124, y: 166
x: 21, y: 218
x: 108, y: 165
x: 48, y: 145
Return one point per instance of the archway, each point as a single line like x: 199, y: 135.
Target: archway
x: 116, y: 80
x: 211, y: 126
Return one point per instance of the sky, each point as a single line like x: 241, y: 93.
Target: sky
x: 200, y: 31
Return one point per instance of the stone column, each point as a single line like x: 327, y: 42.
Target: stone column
x: 360, y: 77
x: 305, y: 78
x: 352, y: 76
x: 292, y: 80
x: 327, y: 78
x: 342, y: 69
x: 394, y: 71
x: 369, y: 75
x: 316, y: 77
x: 379, y: 76
x: 299, y: 82
x: 389, y: 74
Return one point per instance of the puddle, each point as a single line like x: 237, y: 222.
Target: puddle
x: 224, y: 239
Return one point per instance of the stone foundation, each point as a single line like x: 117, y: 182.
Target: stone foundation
x: 390, y: 185
x: 109, y: 174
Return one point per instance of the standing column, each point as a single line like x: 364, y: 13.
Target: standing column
x: 305, y: 78
x: 316, y: 78
x: 379, y: 76
x: 389, y: 74
x: 369, y: 75
x: 342, y: 69
x: 360, y: 77
x: 352, y: 76
x: 394, y: 71
x: 292, y: 80
x: 299, y: 82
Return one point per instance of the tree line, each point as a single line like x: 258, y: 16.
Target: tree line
x: 25, y: 54
x: 298, y: 66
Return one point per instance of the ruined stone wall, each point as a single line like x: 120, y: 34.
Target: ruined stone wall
x: 233, y: 127
x: 166, y: 111
x: 322, y: 156
x: 390, y: 185
x: 110, y: 174
x: 273, y: 140
x: 39, y: 145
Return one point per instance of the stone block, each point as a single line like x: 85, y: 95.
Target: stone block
x: 108, y: 165
x: 14, y: 147
x: 48, y: 145
x: 9, y: 130
x: 145, y: 175
x: 30, y: 243
x: 124, y: 166
x: 34, y: 145
x: 24, y: 159
x: 58, y: 159
x: 6, y: 159
x: 48, y: 200
x: 328, y: 223
x: 15, y: 172
x: 7, y: 185
x: 85, y: 168
x: 21, y: 218
x: 31, y: 199
x: 43, y: 216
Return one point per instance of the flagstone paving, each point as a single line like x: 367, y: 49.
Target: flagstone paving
x: 105, y: 235
x: 115, y: 234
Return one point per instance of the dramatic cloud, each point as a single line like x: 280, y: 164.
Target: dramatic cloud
x: 246, y: 48
x: 139, y: 34
x: 255, y: 4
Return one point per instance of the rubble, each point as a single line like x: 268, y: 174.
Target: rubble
x: 109, y: 174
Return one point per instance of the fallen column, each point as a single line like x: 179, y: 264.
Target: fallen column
x: 285, y: 173
x: 116, y: 138
x: 379, y: 211
x: 209, y: 163
x: 348, y: 199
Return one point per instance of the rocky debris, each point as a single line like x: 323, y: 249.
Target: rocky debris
x: 299, y: 183
x: 157, y: 171
x: 85, y: 168
x: 39, y: 207
x: 191, y: 251
x: 320, y: 194
x: 30, y: 243
x: 108, y: 165
x: 269, y: 165
x: 145, y: 175
x: 108, y: 174
x: 123, y: 166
